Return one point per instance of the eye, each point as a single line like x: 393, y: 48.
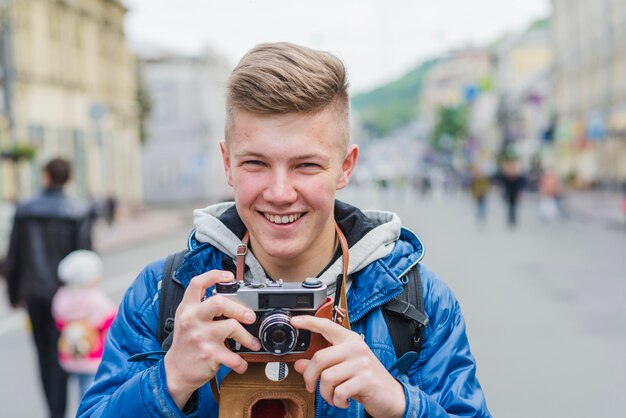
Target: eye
x: 308, y: 165
x: 253, y: 163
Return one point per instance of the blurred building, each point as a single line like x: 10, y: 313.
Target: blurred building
x: 523, y: 80
x: 182, y: 159
x: 69, y: 86
x: 463, y: 78
x: 589, y: 44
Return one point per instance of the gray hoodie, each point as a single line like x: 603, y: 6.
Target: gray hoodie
x: 376, y: 242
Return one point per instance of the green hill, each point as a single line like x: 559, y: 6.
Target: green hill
x: 392, y: 105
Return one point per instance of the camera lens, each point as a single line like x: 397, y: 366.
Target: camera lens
x: 276, y: 333
x: 278, y: 336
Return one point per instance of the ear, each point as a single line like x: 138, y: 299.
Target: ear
x: 348, y: 165
x: 226, y: 160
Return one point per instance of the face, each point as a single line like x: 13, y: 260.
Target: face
x: 285, y: 171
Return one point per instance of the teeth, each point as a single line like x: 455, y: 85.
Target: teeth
x: 285, y: 219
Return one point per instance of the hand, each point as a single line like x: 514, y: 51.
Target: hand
x: 198, y: 349
x: 18, y: 305
x: 349, y: 369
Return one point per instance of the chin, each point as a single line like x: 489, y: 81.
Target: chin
x: 283, y: 252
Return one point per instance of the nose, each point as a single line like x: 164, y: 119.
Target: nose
x: 281, y: 188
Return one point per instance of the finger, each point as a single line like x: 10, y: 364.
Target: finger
x: 332, y: 377
x: 323, y: 360
x: 332, y: 332
x: 345, y: 391
x: 199, y: 284
x: 220, y: 306
x: 301, y: 365
x: 230, y: 328
x: 229, y: 359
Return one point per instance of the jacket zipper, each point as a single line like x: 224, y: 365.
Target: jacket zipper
x: 318, y: 402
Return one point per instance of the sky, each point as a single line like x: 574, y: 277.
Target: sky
x: 378, y: 40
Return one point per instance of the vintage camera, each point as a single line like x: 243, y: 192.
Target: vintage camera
x: 274, y: 303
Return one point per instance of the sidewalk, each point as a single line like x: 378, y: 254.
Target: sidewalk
x: 597, y: 206
x: 141, y: 225
x: 603, y: 208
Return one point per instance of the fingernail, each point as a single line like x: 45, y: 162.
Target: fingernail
x: 227, y: 275
x: 296, y: 319
x: 248, y: 316
x: 256, y: 344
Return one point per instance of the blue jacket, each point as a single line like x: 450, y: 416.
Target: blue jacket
x: 440, y: 383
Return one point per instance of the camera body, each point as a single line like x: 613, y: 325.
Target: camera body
x: 275, y: 303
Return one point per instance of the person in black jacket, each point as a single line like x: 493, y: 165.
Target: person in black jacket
x: 512, y: 186
x: 46, y: 228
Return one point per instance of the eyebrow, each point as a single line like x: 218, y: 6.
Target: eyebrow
x: 252, y: 154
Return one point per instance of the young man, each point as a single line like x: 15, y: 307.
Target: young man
x: 286, y: 153
x: 46, y: 228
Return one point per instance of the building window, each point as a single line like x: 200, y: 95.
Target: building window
x: 36, y: 135
x: 164, y: 94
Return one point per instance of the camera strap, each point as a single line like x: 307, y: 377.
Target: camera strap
x: 340, y: 305
x: 240, y: 395
x: 242, y: 250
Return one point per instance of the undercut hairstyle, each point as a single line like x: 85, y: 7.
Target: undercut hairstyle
x: 281, y: 78
x: 58, y: 171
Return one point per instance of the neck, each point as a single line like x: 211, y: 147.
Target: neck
x: 308, y: 264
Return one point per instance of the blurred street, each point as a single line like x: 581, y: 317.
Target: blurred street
x: 543, y: 303
x: 525, y: 98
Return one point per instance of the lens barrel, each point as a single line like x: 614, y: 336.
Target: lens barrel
x: 276, y: 333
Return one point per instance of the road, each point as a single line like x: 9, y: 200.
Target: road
x: 20, y: 394
x: 544, y: 304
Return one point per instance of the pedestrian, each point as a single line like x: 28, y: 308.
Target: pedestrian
x: 426, y: 185
x: 45, y: 229
x: 286, y: 153
x: 110, y: 209
x: 479, y: 188
x: 549, y: 194
x: 512, y: 183
x: 83, y: 314
x: 624, y: 202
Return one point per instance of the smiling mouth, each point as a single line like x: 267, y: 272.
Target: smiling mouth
x: 282, y: 219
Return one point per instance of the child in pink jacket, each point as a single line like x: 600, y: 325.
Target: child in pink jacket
x: 83, y: 314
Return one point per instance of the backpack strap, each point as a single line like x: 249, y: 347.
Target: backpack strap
x: 405, y: 315
x: 170, y: 295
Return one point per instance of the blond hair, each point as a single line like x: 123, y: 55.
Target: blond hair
x: 281, y: 78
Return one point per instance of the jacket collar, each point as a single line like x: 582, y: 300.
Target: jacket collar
x: 53, y: 190
x: 384, y: 252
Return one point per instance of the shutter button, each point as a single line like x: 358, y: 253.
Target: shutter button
x: 227, y: 287
x: 312, y: 282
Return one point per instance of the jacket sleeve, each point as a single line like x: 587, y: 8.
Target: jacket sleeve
x: 443, y: 382
x: 84, y: 227
x: 133, y: 389
x: 13, y: 265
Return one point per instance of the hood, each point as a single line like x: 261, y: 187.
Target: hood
x: 371, y: 236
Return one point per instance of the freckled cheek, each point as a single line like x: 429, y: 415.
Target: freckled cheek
x: 315, y: 192
x: 248, y: 186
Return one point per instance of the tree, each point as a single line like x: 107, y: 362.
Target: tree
x: 19, y: 152
x: 144, y: 104
x: 452, y: 122
x: 16, y: 154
